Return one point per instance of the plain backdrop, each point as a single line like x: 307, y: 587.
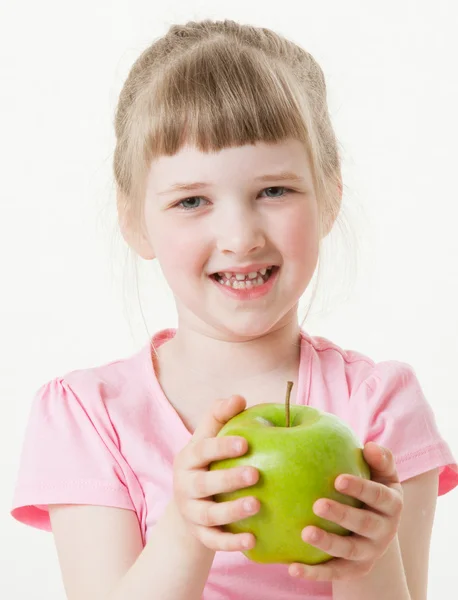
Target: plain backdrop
x: 69, y: 295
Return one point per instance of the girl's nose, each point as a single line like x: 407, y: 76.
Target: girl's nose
x: 239, y: 233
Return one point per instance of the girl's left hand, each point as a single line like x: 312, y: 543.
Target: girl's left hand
x: 373, y: 527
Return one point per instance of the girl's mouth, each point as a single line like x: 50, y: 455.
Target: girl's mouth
x: 248, y: 281
x: 248, y: 286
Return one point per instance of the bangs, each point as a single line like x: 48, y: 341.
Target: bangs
x: 219, y: 95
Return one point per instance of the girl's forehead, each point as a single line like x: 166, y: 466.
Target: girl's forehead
x: 248, y: 161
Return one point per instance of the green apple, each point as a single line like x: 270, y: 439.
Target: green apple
x: 299, y: 451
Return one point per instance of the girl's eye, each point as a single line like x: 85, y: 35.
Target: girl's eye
x: 276, y: 188
x: 195, y: 202
x: 190, y: 203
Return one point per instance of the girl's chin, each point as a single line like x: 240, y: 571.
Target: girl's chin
x: 240, y: 330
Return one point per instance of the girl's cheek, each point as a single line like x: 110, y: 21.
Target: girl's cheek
x: 180, y: 251
x: 299, y: 237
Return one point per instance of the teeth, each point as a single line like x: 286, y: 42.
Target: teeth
x: 242, y: 277
x: 239, y: 281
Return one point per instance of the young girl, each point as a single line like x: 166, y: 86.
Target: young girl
x: 228, y: 174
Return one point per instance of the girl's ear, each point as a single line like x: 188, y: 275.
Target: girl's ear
x: 134, y: 238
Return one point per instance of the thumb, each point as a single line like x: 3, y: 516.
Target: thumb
x: 381, y: 462
x: 218, y: 415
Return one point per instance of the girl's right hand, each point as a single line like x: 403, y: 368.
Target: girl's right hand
x: 194, y: 485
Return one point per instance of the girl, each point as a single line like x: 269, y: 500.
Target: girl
x: 228, y: 174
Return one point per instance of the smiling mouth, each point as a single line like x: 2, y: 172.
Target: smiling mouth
x: 240, y: 281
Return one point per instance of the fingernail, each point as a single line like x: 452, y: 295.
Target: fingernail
x: 324, y: 507
x: 247, y: 476
x: 248, y: 506
x: 311, y: 535
x: 238, y: 445
x: 342, y: 484
x: 296, y: 571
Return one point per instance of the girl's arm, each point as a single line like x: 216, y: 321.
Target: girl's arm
x: 101, y: 555
x: 402, y: 572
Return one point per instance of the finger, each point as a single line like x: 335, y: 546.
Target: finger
x: 381, y: 462
x: 333, y: 570
x: 208, y: 450
x: 358, y: 520
x: 350, y: 547
x: 215, y: 539
x: 203, y: 484
x: 383, y: 498
x: 212, y: 514
x: 220, y: 413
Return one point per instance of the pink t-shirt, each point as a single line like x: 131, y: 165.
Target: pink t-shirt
x: 108, y: 436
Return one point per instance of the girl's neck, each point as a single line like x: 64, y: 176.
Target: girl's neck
x: 203, y: 357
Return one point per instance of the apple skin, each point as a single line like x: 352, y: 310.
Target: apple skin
x: 297, y: 465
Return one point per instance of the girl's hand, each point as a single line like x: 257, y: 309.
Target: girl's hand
x: 194, y: 485
x: 373, y: 526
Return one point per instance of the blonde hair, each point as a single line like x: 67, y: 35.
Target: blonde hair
x: 215, y: 85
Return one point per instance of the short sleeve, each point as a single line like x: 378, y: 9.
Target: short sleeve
x: 68, y: 457
x: 397, y: 416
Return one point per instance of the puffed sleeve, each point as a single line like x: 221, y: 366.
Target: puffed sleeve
x: 68, y: 456
x: 390, y: 409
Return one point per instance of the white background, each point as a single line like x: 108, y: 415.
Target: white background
x: 68, y: 299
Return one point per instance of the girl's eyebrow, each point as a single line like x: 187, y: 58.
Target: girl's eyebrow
x: 192, y: 186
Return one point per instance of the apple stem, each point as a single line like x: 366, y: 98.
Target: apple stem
x: 289, y: 387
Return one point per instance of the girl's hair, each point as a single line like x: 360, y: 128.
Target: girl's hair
x: 215, y: 85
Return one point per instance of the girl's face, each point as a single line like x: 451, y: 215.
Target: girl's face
x: 243, y: 208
